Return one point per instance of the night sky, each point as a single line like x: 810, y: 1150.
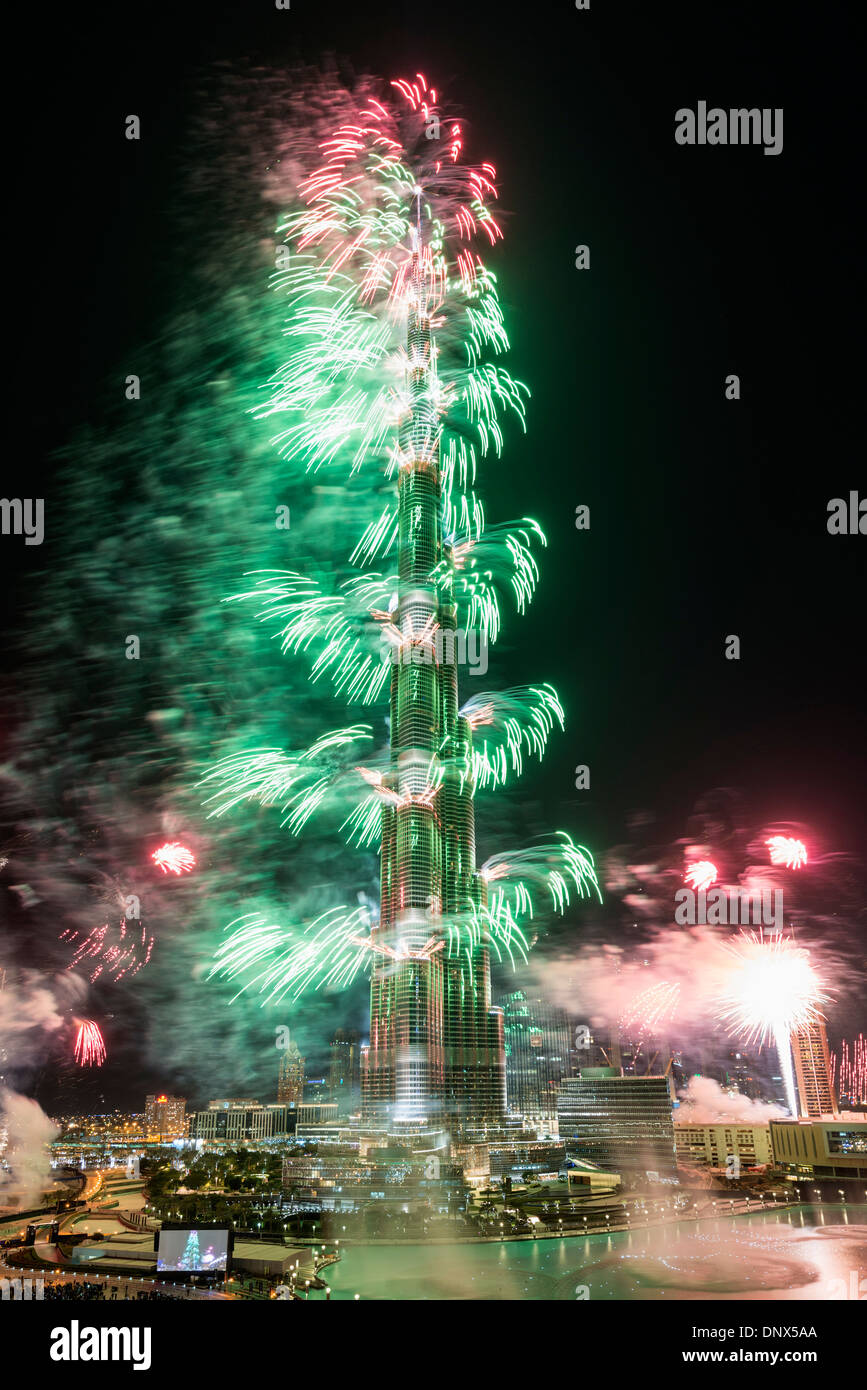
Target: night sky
x: 708, y: 517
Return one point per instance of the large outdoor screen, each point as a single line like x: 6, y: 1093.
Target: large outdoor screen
x: 191, y: 1250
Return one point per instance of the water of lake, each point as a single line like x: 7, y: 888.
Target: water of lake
x: 804, y: 1253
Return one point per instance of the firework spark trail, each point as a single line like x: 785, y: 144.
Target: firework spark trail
x: 298, y: 784
x: 329, y: 951
x: 514, y: 876
x: 384, y: 233
x: 772, y: 992
x: 520, y: 721
x: 849, y: 1071
x: 652, y: 1008
x: 121, y: 955
x: 174, y: 858
x: 787, y: 852
x: 89, y: 1044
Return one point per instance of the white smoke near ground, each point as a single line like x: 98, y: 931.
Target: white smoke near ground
x: 25, y: 1133
x: 704, y: 1102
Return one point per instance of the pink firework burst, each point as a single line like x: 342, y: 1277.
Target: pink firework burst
x: 115, y: 951
x: 174, y: 858
x: 652, y: 1008
x: 786, y: 851
x: 89, y: 1044
x: 701, y: 875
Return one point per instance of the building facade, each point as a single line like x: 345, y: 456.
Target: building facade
x: 812, y: 1060
x: 165, y: 1117
x: 241, y: 1121
x: 714, y: 1145
x: 347, y: 1181
x: 538, y: 1043
x: 820, y: 1148
x: 618, y: 1122
x: 344, y: 1073
x: 436, y: 1052
x: 290, y: 1078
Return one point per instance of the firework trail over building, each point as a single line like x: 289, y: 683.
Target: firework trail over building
x: 191, y: 484
x: 393, y: 380
x: 849, y: 1071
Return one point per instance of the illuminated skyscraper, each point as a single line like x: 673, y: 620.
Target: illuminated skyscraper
x: 344, y: 1073
x: 390, y: 374
x: 812, y: 1057
x: 290, y: 1081
x: 436, y: 1044
x: 538, y: 1044
x: 165, y: 1117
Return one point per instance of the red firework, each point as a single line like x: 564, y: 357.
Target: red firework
x: 117, y: 952
x: 174, y: 858
x: 89, y: 1044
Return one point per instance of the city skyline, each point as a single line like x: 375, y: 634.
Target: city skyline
x: 432, y: 765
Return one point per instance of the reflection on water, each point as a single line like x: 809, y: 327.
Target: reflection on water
x: 806, y: 1253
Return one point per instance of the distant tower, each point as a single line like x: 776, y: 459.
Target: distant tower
x: 538, y: 1042
x: 165, y: 1117
x: 816, y: 1095
x: 290, y: 1081
x: 344, y: 1074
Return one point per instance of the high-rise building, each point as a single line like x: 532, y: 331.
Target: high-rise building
x: 538, y: 1041
x: 290, y: 1079
x: 742, y: 1074
x: 715, y: 1145
x: 619, y: 1122
x: 395, y: 375
x: 436, y: 1043
x: 812, y: 1057
x: 344, y: 1073
x: 235, y: 1121
x: 165, y: 1117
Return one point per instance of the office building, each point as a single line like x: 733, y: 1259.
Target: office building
x: 713, y: 1145
x: 618, y: 1122
x: 290, y: 1079
x: 829, y: 1148
x: 165, y: 1117
x: 812, y: 1060
x: 538, y: 1043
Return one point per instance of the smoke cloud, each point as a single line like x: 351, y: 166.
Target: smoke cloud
x: 25, y: 1131
x: 704, y: 1102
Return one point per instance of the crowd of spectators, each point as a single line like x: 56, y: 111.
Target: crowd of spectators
x: 82, y: 1289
